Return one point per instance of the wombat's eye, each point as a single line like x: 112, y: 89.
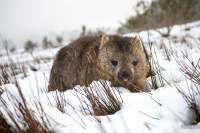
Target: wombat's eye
x: 114, y: 62
x: 135, y: 63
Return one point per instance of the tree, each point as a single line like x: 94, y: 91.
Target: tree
x: 46, y: 43
x: 90, y: 32
x: 83, y: 30
x: 30, y: 46
x: 59, y: 40
x: 9, y: 45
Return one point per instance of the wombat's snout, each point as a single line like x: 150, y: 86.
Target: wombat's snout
x: 124, y: 76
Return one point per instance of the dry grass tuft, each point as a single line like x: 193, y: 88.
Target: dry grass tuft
x: 99, y: 99
x: 60, y: 100
x: 23, y: 119
x: 19, y: 118
x: 191, y: 71
x: 155, y: 69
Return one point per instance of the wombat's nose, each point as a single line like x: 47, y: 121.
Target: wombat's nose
x: 124, y: 74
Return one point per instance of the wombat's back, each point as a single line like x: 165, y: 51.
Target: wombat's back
x: 73, y: 62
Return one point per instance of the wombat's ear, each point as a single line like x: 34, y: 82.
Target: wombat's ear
x: 137, y: 41
x: 104, y: 39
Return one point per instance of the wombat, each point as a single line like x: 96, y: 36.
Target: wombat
x: 119, y: 59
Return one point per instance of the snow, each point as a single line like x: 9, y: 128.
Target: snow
x: 159, y: 111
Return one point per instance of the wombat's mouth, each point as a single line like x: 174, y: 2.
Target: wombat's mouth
x: 125, y: 82
x: 124, y: 76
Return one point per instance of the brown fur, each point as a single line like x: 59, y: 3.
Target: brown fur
x: 90, y: 58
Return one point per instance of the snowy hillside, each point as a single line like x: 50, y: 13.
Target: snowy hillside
x: 163, y: 110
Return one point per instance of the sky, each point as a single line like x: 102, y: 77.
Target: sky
x: 19, y: 19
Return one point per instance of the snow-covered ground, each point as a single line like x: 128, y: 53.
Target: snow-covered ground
x: 159, y: 111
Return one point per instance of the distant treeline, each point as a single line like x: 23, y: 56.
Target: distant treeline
x: 162, y: 13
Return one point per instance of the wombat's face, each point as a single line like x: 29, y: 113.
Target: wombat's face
x: 123, y: 58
